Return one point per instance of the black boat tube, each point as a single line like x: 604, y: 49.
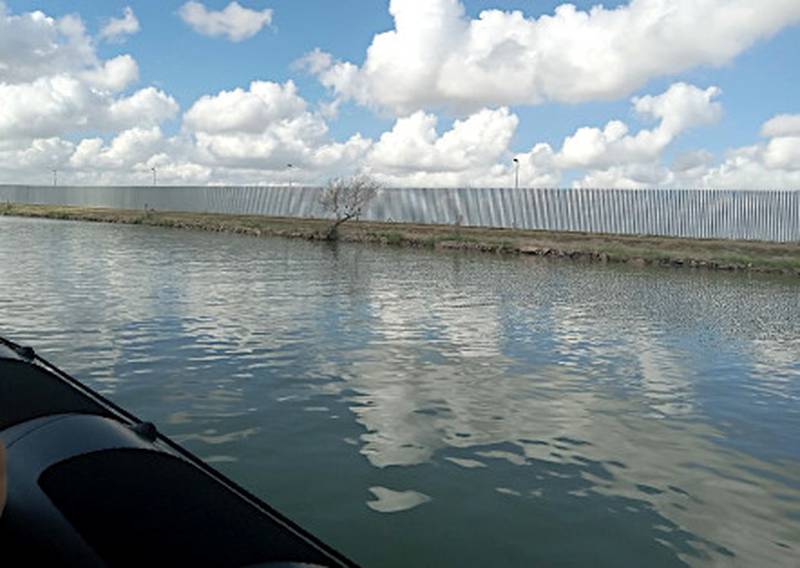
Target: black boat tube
x: 89, y: 484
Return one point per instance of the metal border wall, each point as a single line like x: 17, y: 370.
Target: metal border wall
x: 697, y: 213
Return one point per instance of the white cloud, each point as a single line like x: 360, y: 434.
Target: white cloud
x: 747, y: 168
x: 245, y: 111
x: 46, y: 107
x: 267, y: 126
x: 681, y: 107
x: 783, y: 153
x: 33, y: 45
x: 129, y: 158
x: 413, y: 143
x: 255, y: 133
x: 53, y: 85
x: 782, y: 125
x: 537, y: 168
x: 116, y: 30
x: 628, y: 176
x: 315, y: 61
x: 38, y: 157
x: 148, y: 106
x: 614, y: 158
x: 235, y: 22
x: 250, y: 135
x: 436, y: 57
x: 774, y: 164
x: 63, y: 105
x: 474, y: 152
x: 413, y: 153
x: 114, y: 75
x: 689, y: 166
x: 125, y: 150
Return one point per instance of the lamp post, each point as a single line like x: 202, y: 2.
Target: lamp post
x: 289, y: 169
x: 516, y: 189
x: 153, y: 169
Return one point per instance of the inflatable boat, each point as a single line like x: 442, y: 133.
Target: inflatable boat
x: 89, y: 484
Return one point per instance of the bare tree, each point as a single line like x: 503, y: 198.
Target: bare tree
x: 346, y: 198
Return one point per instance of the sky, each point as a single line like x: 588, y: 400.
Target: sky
x: 427, y: 93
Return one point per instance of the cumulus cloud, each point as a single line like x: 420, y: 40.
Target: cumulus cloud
x: 251, y: 135
x: 235, y: 22
x: 689, y: 166
x: 125, y: 150
x: 117, y: 30
x: 782, y: 125
x: 148, y: 106
x: 40, y: 155
x: 536, y: 168
x: 54, y: 87
x: 747, y: 168
x: 628, y: 176
x: 46, y: 107
x: 612, y: 156
x: 436, y: 57
x: 33, y: 45
x: 242, y: 110
x: 113, y: 75
x: 414, y: 153
x: 62, y: 105
x: 267, y: 126
x: 783, y: 153
x: 414, y: 145
x: 681, y: 107
x: 53, y: 84
x: 773, y: 164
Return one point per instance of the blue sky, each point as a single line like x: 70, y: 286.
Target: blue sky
x: 750, y: 60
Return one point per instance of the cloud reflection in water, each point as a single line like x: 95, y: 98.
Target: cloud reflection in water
x: 571, y: 399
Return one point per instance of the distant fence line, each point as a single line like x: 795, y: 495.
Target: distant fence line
x: 697, y: 213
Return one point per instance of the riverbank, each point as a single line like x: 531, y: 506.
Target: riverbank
x: 783, y: 258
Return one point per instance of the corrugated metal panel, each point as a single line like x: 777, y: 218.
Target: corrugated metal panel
x: 757, y: 215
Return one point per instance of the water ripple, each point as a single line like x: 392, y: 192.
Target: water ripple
x: 537, y: 412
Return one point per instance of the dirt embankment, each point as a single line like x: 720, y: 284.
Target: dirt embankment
x: 753, y: 256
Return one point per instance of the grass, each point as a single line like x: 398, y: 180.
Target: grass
x: 753, y: 256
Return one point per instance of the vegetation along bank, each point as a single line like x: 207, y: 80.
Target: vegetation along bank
x: 754, y: 256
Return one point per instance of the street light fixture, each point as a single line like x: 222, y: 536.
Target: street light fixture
x: 153, y: 169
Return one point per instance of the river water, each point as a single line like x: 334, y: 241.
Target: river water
x: 415, y: 408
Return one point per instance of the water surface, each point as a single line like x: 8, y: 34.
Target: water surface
x: 433, y: 409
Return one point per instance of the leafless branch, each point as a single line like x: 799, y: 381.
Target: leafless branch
x: 346, y: 199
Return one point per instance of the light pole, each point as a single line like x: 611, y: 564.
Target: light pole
x: 289, y: 168
x: 153, y: 169
x: 516, y: 188
x: 516, y: 173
